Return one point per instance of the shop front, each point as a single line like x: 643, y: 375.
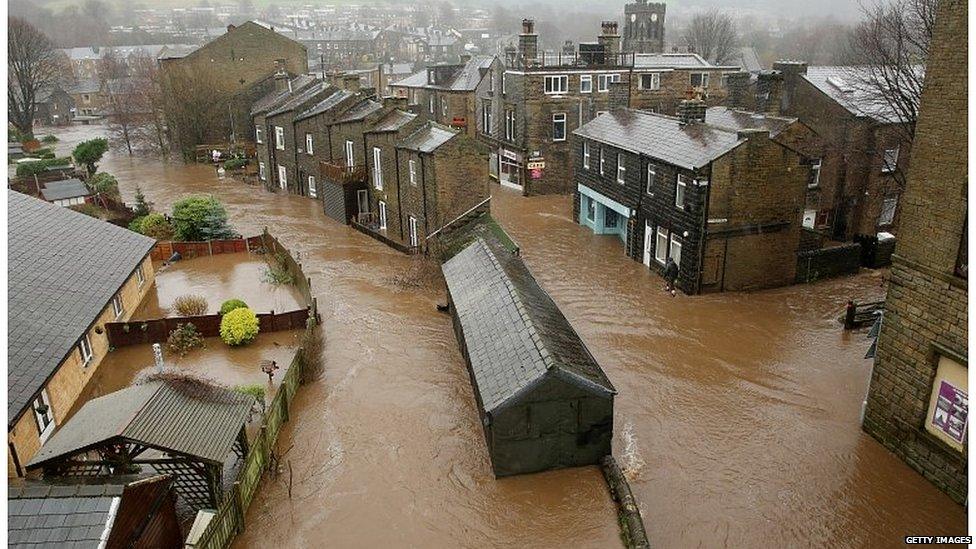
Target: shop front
x: 602, y: 214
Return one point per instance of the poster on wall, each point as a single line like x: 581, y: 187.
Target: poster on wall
x: 951, y: 415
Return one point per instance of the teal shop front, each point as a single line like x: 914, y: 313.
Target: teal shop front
x: 603, y: 215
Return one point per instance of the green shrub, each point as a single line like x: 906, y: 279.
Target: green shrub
x: 25, y: 169
x: 136, y: 224
x: 90, y: 210
x: 89, y: 153
x: 43, y: 151
x: 255, y: 390
x: 49, y: 139
x: 105, y: 184
x: 277, y: 272
x: 154, y: 225
x: 191, y: 305
x: 143, y: 207
x: 47, y: 155
x: 230, y: 305
x: 184, y: 339
x: 235, y: 163
x: 239, y: 327
x: 200, y: 218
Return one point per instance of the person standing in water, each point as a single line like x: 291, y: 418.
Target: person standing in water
x: 670, y: 276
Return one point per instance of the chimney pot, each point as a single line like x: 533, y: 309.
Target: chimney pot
x: 691, y: 111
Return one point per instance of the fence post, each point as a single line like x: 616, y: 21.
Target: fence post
x: 284, y: 404
x: 238, y: 506
x: 265, y: 445
x: 210, y: 247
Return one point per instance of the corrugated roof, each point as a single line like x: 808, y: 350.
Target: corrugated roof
x: 66, y: 188
x: 185, y: 417
x: 63, y: 268
x: 427, y: 138
x: 689, y: 146
x: 851, y: 87
x: 513, y: 332
x: 394, y: 120
x: 736, y: 120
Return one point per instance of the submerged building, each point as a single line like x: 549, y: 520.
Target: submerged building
x: 544, y: 401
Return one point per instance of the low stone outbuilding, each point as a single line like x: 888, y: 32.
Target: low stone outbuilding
x: 544, y: 401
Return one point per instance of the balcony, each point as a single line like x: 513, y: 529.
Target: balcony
x: 341, y: 174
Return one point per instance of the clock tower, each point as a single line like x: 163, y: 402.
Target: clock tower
x: 644, y: 27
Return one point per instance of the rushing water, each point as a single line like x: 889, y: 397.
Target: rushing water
x: 736, y: 419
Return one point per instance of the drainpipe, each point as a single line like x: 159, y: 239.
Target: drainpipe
x: 423, y: 189
x: 704, y: 235
x: 396, y: 160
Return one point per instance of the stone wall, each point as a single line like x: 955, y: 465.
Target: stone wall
x: 925, y: 323
x: 820, y: 264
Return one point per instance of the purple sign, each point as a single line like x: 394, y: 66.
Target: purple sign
x: 952, y: 411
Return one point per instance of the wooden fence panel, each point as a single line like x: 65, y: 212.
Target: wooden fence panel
x: 138, y: 332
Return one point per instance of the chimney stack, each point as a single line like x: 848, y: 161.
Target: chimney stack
x: 528, y: 43
x: 619, y: 96
x: 738, y: 86
x: 350, y: 82
x: 769, y: 92
x: 610, y: 40
x: 791, y: 71
x: 691, y: 111
x: 281, y: 81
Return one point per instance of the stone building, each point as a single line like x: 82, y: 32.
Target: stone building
x: 918, y: 401
x: 384, y: 195
x: 544, y: 401
x: 285, y: 88
x: 644, y: 27
x: 865, y: 151
x: 540, y: 98
x: 286, y: 145
x: 436, y: 177
x: 447, y: 94
x: 68, y: 275
x: 53, y: 107
x: 723, y: 201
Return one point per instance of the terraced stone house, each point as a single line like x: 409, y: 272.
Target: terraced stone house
x: 68, y: 274
x: 725, y: 202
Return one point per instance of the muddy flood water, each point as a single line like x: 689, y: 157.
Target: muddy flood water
x: 736, y: 419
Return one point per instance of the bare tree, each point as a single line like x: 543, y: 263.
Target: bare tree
x: 892, y: 46
x: 195, y: 107
x: 111, y: 66
x: 149, y: 94
x: 33, y: 65
x: 712, y: 35
x: 123, y: 111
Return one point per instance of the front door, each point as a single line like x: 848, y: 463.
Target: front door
x: 382, y: 215
x: 282, y: 177
x: 413, y: 231
x: 362, y: 201
x: 648, y: 239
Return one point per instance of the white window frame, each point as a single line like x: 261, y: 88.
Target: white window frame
x: 504, y: 83
x: 85, y: 350
x: 603, y: 81
x: 555, y: 120
x: 381, y: 206
x: 590, y: 209
x: 588, y: 80
x: 586, y: 155
x: 312, y: 191
x: 257, y: 134
x: 661, y: 251
x: 350, y: 154
x: 44, y: 431
x: 815, y: 168
x: 430, y: 103
x: 412, y: 164
x: 279, y: 138
x: 412, y: 231
x: 889, y: 205
x: 674, y: 249
x: 262, y: 171
x: 118, y: 306
x: 308, y: 144
x: 651, y: 178
x: 509, y: 124
x: 602, y: 160
x: 491, y: 82
x: 283, y: 177
x: 486, y: 116
x: 444, y: 106
x: 621, y: 169
x: 889, y: 166
x: 704, y: 80
x: 378, y: 168
x: 655, y: 81
x: 557, y: 84
x: 680, y: 187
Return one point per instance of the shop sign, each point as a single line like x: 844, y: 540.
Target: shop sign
x: 951, y: 414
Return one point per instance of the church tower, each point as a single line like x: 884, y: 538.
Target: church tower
x: 644, y: 27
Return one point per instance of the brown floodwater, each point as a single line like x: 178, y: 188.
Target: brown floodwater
x: 736, y: 420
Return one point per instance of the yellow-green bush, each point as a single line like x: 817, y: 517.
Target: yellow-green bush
x: 239, y: 327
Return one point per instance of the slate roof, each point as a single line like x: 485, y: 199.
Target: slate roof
x: 514, y: 333
x: 63, y: 268
x: 360, y: 111
x: 299, y: 99
x: 850, y: 87
x: 427, y: 138
x: 689, y: 146
x: 188, y: 418
x: 46, y: 516
x: 670, y: 61
x: 324, y: 105
x: 748, y: 59
x: 85, y: 86
x: 393, y: 121
x: 276, y: 98
x: 466, y: 79
x: 736, y: 119
x: 66, y: 188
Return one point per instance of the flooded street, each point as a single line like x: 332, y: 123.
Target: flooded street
x: 736, y: 418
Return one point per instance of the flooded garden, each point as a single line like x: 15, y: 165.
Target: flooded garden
x: 737, y: 417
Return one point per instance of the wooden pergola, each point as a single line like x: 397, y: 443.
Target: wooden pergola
x: 185, y: 429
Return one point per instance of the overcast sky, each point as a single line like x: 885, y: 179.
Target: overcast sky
x: 841, y: 9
